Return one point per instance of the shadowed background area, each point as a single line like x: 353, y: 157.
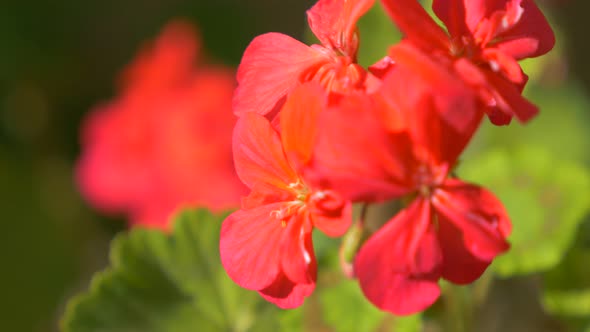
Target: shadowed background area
x: 61, y: 58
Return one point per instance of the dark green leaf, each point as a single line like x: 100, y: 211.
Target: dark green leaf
x: 166, y: 283
x: 566, y: 290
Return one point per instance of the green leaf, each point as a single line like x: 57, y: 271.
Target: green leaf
x: 561, y: 127
x: 166, y: 283
x: 566, y: 290
x: 568, y: 302
x: 377, y: 34
x: 546, y: 198
x: 345, y: 309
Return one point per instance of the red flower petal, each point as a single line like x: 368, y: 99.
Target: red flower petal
x: 459, y: 265
x: 359, y: 157
x: 258, y: 154
x: 334, y: 23
x: 330, y: 212
x: 527, y: 33
x: 399, y: 266
x: 453, y: 14
x: 299, y: 121
x: 531, y: 36
x: 509, y: 99
x: 502, y: 97
x: 297, y: 256
x: 416, y: 24
x: 270, y: 68
x: 286, y: 294
x: 250, y: 244
x: 478, y: 214
x: 504, y: 65
x: 428, y: 108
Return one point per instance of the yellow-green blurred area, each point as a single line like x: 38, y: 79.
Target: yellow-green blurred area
x: 60, y: 58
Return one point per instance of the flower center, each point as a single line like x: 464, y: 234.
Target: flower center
x: 487, y: 33
x: 301, y: 194
x: 427, y: 178
x: 340, y: 74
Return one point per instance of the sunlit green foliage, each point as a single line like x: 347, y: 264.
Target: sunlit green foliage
x: 545, y: 198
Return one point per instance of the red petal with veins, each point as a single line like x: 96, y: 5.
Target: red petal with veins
x: 453, y: 14
x: 299, y: 121
x: 250, y: 244
x: 264, y: 193
x: 297, y: 256
x: 502, y: 98
x: 334, y: 23
x: 459, y: 265
x: 478, y: 214
x: 453, y: 99
x: 427, y: 106
x: 504, y: 65
x: 528, y: 33
x: 416, y: 24
x: 531, y: 36
x: 509, y: 98
x: 270, y: 69
x: 286, y: 294
x: 359, y: 157
x: 380, y: 68
x: 258, y: 154
x: 399, y: 266
x: 330, y: 212
x: 469, y: 13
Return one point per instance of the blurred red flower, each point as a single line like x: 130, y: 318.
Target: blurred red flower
x: 165, y: 142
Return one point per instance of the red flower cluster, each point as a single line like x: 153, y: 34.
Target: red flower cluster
x: 166, y: 140
x: 318, y: 132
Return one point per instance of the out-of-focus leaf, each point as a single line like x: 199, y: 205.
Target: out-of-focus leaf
x: 377, y: 35
x: 345, y: 309
x: 567, y: 286
x: 291, y: 320
x: 546, y: 198
x: 560, y: 127
x: 166, y: 283
x: 569, y: 302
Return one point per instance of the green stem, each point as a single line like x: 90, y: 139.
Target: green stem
x: 458, y: 308
x: 351, y: 243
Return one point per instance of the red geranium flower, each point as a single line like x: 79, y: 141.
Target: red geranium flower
x: 484, y: 41
x: 398, y: 144
x: 267, y: 246
x: 273, y: 64
x: 166, y: 140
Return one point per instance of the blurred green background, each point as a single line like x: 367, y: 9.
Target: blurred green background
x: 58, y: 59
